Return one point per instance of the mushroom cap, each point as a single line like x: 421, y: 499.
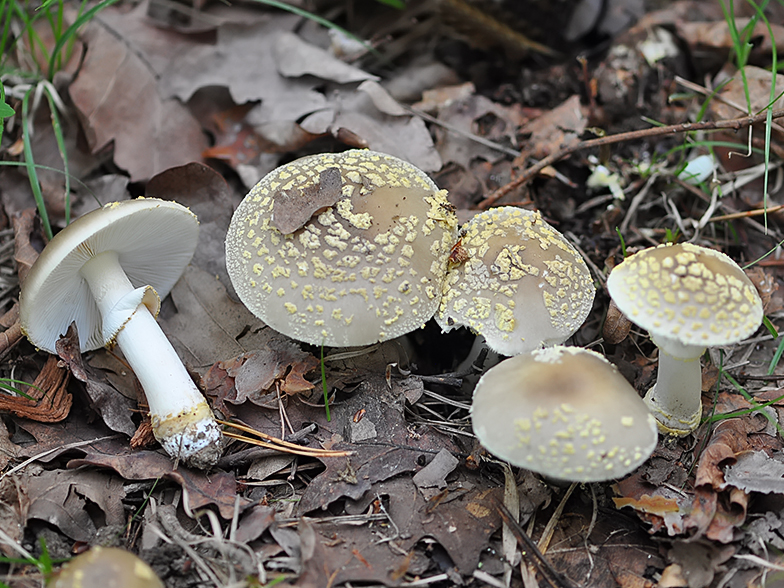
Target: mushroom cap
x: 523, y: 285
x: 106, y: 567
x: 686, y: 295
x: 564, y: 412
x: 155, y: 239
x: 342, y: 249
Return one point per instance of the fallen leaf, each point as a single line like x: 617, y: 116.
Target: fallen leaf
x: 254, y: 522
x: 201, y: 489
x: 24, y: 253
x: 293, y: 208
x: 755, y: 471
x: 47, y: 400
x: 432, y: 478
x: 405, y: 137
x: 699, y: 561
x: 465, y: 115
x: 114, y: 408
x: 251, y: 376
x: 556, y: 129
x: 728, y: 440
x: 204, y: 325
x: 294, y: 58
x: 658, y: 505
x: 717, y: 35
x: 757, y: 83
x: 117, y: 101
x: 381, y: 443
x: 61, y: 497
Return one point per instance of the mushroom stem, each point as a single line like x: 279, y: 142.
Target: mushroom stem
x: 675, y: 400
x: 181, y: 419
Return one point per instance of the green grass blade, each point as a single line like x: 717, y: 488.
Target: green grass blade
x: 35, y: 185
x: 5, y: 109
x: 776, y: 357
x: 324, y: 385
x: 71, y: 32
x: 755, y: 405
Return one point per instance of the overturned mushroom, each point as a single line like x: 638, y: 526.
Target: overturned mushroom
x: 564, y: 412
x: 342, y: 249
x: 107, y: 271
x: 516, y: 281
x: 688, y: 298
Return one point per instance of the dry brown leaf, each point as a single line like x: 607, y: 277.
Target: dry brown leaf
x: 205, y: 325
x: 114, y: 408
x: 251, y: 376
x: 733, y: 94
x: 48, y: 398
x: 556, y: 129
x: 716, y: 35
x: 616, y: 326
x: 728, y: 440
x: 766, y: 286
x: 658, y: 505
x: 293, y: 208
x: 117, y: 100
x: 24, y: 253
x: 61, y: 497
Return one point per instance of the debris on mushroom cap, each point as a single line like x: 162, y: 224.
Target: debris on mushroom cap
x: 106, y: 567
x: 342, y: 249
x: 521, y: 284
x: 688, y: 294
x: 155, y: 240
x: 564, y: 412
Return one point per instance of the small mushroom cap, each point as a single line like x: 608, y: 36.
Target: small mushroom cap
x: 106, y: 567
x: 342, y: 249
x: 522, y: 284
x: 155, y: 240
x: 564, y: 412
x: 686, y: 295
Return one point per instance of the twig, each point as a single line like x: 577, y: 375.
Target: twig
x: 59, y: 448
x: 246, y: 456
x: 734, y: 124
x: 530, y: 550
x: 271, y: 442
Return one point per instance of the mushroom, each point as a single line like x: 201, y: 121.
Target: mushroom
x: 342, y: 249
x: 516, y: 281
x: 105, y: 567
x: 564, y: 412
x: 688, y: 298
x: 107, y: 271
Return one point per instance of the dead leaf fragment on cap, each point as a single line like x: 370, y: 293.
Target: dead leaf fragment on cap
x: 294, y: 207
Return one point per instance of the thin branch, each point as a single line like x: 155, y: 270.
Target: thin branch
x: 734, y: 124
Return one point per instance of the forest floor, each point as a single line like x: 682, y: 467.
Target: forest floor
x: 195, y: 102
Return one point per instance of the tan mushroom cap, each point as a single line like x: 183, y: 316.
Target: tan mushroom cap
x: 106, y: 567
x: 564, y: 412
x: 522, y: 286
x: 686, y: 294
x: 342, y: 249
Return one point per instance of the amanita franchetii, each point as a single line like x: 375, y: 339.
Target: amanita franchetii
x: 688, y: 298
x: 107, y: 272
x: 516, y: 281
x: 564, y: 412
x: 342, y: 249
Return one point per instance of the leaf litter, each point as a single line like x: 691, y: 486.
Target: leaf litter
x: 414, y: 499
